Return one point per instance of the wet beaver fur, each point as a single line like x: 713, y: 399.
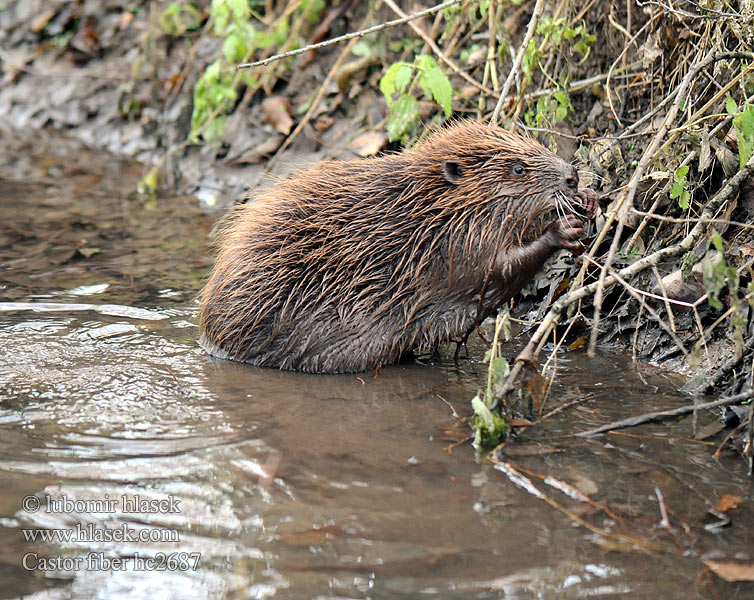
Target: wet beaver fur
x: 347, y: 266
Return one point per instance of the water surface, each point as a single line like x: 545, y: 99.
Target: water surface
x: 231, y: 481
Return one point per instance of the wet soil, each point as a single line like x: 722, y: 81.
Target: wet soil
x: 288, y: 485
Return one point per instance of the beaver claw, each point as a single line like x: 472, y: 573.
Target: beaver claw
x: 567, y: 230
x: 588, y: 199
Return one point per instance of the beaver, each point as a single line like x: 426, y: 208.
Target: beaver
x: 349, y: 265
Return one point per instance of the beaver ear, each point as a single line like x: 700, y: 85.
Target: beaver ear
x: 453, y: 171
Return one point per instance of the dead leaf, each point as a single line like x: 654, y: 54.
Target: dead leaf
x: 89, y: 252
x: 368, y: 144
x: 728, y: 502
x: 257, y: 153
x: 731, y: 571
x: 354, y: 69
x: 650, y: 51
x: 125, y: 20
x: 323, y: 123
x: 276, y: 112
x: 746, y: 196
x: 578, y: 344
x: 537, y: 386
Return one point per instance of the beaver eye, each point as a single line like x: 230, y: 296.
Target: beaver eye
x: 519, y: 170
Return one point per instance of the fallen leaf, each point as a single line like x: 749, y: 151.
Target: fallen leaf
x: 368, y: 144
x: 89, y: 252
x: 86, y: 40
x: 323, y: 123
x: 578, y: 344
x: 257, y: 153
x: 276, y: 112
x: 728, y: 502
x: 731, y: 571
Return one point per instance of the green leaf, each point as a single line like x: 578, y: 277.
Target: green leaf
x: 403, y: 114
x: 715, y: 272
x: 434, y: 82
x: 220, y: 11
x: 425, y: 61
x: 275, y: 37
x: 678, y: 190
x: 744, y: 124
x: 440, y: 87
x: 215, y: 130
x: 387, y: 83
x: 530, y: 60
x: 717, y: 241
x: 490, y: 429
x: 685, y: 200
x: 403, y: 77
x: 239, y: 9
x: 730, y: 106
x: 234, y: 48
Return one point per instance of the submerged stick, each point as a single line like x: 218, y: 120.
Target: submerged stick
x: 664, y: 414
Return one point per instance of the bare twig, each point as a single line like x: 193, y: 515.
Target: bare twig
x: 354, y: 34
x: 524, y: 483
x: 664, y: 414
x: 625, y: 203
x: 538, y: 7
x: 528, y: 354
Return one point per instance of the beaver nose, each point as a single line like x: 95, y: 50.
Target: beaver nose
x: 572, y: 177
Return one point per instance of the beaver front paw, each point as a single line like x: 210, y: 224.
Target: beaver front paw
x: 588, y: 199
x: 566, y: 232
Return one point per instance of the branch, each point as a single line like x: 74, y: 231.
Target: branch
x: 528, y: 354
x: 404, y: 19
x: 663, y: 414
x: 625, y: 203
x: 519, y: 58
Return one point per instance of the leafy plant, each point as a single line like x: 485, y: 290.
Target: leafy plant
x: 718, y: 274
x: 402, y: 79
x: 179, y: 18
x: 490, y: 429
x: 743, y: 122
x: 214, y: 93
x: 559, y: 32
x: 679, y: 187
x: 216, y: 90
x: 530, y: 60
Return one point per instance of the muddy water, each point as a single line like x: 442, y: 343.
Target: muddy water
x: 133, y: 466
